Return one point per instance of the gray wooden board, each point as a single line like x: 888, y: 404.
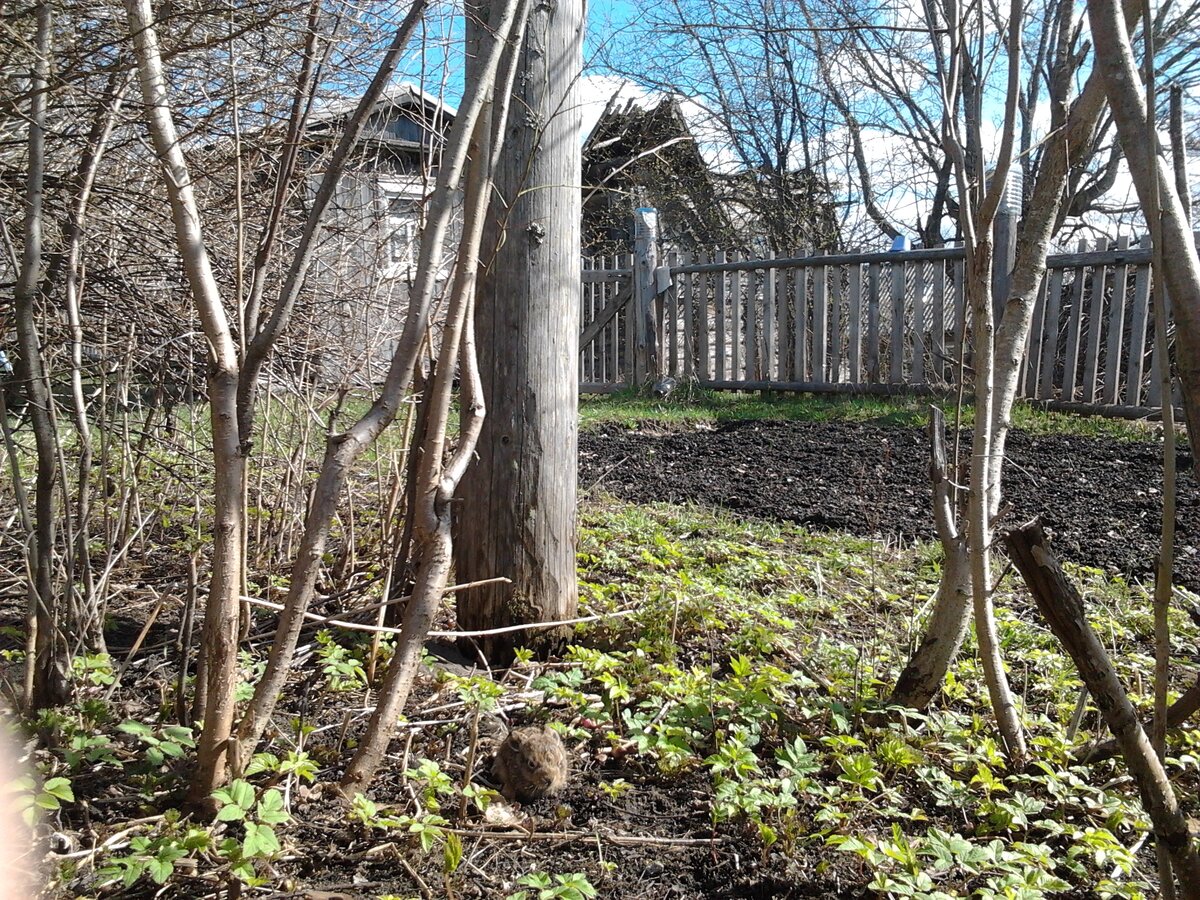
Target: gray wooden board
x: 669, y: 324
x: 1138, y: 325
x: 820, y: 322
x: 1091, y: 359
x: 918, y: 325
x: 937, y: 334
x: 960, y: 319
x: 1116, y: 328
x: 750, y: 333
x: 1050, y: 329
x: 854, y: 348
x: 704, y: 371
x: 873, y: 323
x: 618, y: 301
x: 1074, y: 325
x: 800, y: 324
x: 899, y: 288
x: 1033, y: 342
x: 768, y: 322
x: 689, y: 330
x: 735, y: 299
x: 719, y: 315
x: 835, y: 326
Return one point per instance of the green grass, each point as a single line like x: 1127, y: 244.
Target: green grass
x: 710, y: 407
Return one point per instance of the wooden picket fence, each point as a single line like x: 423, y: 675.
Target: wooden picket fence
x: 864, y: 322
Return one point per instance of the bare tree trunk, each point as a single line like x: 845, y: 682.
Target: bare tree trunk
x: 259, y: 348
x: 1062, y: 607
x: 1179, y: 158
x: 979, y: 515
x: 518, y: 515
x: 437, y: 480
x: 922, y: 678
x: 1181, y: 264
x: 219, y: 645
x: 1072, y: 132
x: 345, y: 448
x: 978, y: 204
x: 89, y: 617
x: 52, y: 664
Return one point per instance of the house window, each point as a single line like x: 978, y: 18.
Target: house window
x: 405, y: 129
x: 403, y: 217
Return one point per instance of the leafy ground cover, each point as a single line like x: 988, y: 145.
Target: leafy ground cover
x: 724, y: 730
x: 725, y: 716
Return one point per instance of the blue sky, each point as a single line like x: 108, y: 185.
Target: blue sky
x: 606, y: 18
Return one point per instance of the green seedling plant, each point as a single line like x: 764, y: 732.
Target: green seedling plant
x: 258, y: 816
x: 250, y: 670
x: 155, y: 856
x: 574, y: 886
x: 702, y: 680
x: 33, y: 800
x: 343, y: 669
x: 427, y: 829
x: 93, y: 669
x: 296, y: 763
x: 161, y: 744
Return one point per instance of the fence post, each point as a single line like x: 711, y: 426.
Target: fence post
x: 1004, y: 239
x: 645, y: 261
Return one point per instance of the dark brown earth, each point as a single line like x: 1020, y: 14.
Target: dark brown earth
x: 1100, y: 497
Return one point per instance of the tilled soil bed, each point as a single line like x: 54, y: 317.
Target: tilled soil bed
x: 1100, y: 497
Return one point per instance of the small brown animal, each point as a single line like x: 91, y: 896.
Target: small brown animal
x: 530, y: 763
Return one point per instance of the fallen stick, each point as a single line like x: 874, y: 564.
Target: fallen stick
x: 1062, y: 606
x: 1177, y: 714
x: 383, y: 629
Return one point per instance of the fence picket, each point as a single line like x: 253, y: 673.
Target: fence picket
x: 1075, y: 324
x: 684, y: 286
x: 1091, y: 361
x: 899, y: 277
x: 1138, y: 322
x: 1154, y: 390
x: 767, y: 360
x: 671, y: 324
x: 1027, y: 383
x: 854, y: 348
x: 750, y: 331
x: 960, y: 318
x: 1116, y: 328
x: 1050, y: 334
x: 937, y: 331
x: 918, y: 328
x: 820, y: 320
x: 719, y: 316
x: 705, y: 371
x: 835, y: 327
x: 873, y: 323
x: 800, y: 324
x: 781, y: 324
x: 735, y: 320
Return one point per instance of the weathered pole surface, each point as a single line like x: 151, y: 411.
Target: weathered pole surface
x: 645, y: 322
x: 516, y: 516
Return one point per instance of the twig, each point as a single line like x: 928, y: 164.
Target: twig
x: 383, y: 629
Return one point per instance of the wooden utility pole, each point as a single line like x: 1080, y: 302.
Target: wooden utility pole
x: 645, y: 327
x: 516, y: 515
